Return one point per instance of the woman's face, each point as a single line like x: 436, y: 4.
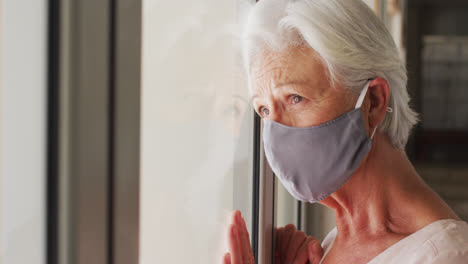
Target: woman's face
x: 292, y: 87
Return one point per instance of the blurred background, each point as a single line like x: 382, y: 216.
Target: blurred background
x: 127, y: 135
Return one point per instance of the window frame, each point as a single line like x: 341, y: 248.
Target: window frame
x: 93, y: 142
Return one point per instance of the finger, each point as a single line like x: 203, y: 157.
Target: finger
x: 277, y: 257
x: 234, y: 244
x: 286, y: 237
x: 227, y: 258
x: 296, y: 241
x: 244, y: 238
x: 244, y: 231
x: 278, y: 235
x: 315, y: 252
x: 244, y: 225
x: 302, y: 254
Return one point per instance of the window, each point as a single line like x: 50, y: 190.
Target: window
x: 196, y: 130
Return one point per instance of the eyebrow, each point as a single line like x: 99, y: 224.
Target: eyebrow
x: 280, y: 85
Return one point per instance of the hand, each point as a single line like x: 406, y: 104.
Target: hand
x: 294, y: 247
x: 240, y: 251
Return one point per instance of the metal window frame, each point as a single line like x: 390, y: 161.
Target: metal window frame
x: 256, y: 186
x: 263, y: 204
x: 126, y: 185
x: 52, y: 131
x: 267, y: 197
x: 94, y: 131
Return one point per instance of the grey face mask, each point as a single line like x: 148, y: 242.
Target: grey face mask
x: 314, y: 162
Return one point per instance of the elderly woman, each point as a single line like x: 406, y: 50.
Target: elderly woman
x: 328, y: 82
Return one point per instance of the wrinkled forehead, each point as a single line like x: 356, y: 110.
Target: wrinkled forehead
x: 295, y: 64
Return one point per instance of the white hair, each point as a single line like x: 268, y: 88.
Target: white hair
x: 350, y: 40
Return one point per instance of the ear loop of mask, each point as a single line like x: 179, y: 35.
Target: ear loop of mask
x: 361, y: 99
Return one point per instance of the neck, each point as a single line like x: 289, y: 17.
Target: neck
x: 385, y: 195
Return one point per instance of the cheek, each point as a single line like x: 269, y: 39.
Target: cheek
x: 307, y: 117
x: 312, y: 116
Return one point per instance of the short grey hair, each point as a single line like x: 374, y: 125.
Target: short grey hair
x: 351, y: 41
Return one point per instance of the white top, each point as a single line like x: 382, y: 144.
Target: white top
x: 441, y: 242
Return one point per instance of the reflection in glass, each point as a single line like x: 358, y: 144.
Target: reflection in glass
x: 196, y: 130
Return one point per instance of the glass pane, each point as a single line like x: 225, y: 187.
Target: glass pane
x: 286, y: 207
x: 316, y: 219
x: 196, y: 130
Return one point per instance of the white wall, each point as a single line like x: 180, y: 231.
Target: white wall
x: 23, y: 131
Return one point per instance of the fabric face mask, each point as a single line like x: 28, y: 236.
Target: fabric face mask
x: 314, y: 162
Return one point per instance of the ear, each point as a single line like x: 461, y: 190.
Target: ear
x: 378, y: 96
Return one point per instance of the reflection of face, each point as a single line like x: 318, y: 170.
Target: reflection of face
x: 231, y: 110
x: 292, y: 87
x: 205, y: 82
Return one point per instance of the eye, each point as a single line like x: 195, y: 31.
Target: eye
x: 263, y: 111
x: 296, y: 99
